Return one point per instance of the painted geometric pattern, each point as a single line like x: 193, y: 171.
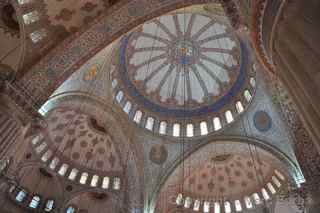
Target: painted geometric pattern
x: 79, y: 138
x: 183, y: 58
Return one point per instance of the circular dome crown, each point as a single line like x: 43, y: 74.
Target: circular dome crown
x: 181, y: 65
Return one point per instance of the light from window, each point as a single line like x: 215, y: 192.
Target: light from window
x: 265, y: 194
x: 63, y: 169
x: 24, y: 1
x: 84, y: 178
x: 49, y: 206
x: 217, y: 207
x: 247, y: 95
x: 137, y: 116
x: 114, y: 83
x: 73, y: 174
x: 119, y: 96
x: 30, y: 17
x: 276, y: 181
x: 256, y: 198
x: 94, y: 180
x: 105, y: 182
x: 127, y: 107
x: 253, y: 82
x: 179, y: 199
x: 38, y: 35
x: 279, y: 174
x: 229, y: 116
x: 227, y: 207
x: 54, y: 163
x: 46, y: 156
x: 238, y: 206
x: 206, y: 206
x: 176, y: 130
x: 217, y: 124
x: 196, y: 206
x: 37, y: 139
x: 187, y: 202
x: 189, y: 130
x: 41, y: 147
x: 271, y: 188
x: 203, y: 128
x: 239, y: 107
x: 248, y: 202
x: 149, y: 123
x: 163, y: 127
x: 71, y: 209
x: 21, y: 195
x: 34, y: 202
x: 116, y: 183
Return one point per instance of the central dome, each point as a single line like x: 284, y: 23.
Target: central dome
x: 181, y: 61
x: 182, y: 66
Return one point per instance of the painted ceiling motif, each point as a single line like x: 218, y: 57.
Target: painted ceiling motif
x: 82, y: 140
x: 72, y: 14
x: 182, y: 59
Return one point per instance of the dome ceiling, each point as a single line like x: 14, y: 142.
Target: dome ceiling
x: 182, y: 66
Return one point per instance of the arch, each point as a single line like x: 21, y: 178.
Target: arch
x: 291, y: 167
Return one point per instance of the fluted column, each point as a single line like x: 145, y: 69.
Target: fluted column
x: 296, y: 54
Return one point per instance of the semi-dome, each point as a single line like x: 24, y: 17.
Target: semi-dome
x: 183, y: 67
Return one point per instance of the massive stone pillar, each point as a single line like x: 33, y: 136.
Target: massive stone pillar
x: 296, y: 55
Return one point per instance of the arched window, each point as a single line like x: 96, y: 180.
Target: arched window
x: 271, y: 188
x: 279, y: 174
x: 229, y: 116
x: 71, y: 209
x: 49, y: 206
x: 21, y: 196
x: 163, y: 127
x: 30, y: 17
x: 34, y: 202
x: 119, y: 96
x: 237, y: 205
x: 116, y: 183
x: 38, y: 35
x: 176, y: 130
x: 248, y: 202
x: 73, y: 174
x: 217, y: 207
x: 114, y: 83
x: 179, y: 199
x: 253, y: 82
x: 63, y: 169
x: 217, y: 124
x: 276, y: 181
x: 37, y: 139
x: 206, y: 207
x: 196, y: 206
x: 256, y: 198
x: 84, y: 178
x: 137, y: 116
x: 150, y: 123
x: 265, y: 194
x: 105, y: 182
x: 203, y: 128
x: 239, y: 107
x: 54, y: 163
x: 247, y: 95
x: 46, y: 156
x: 227, y: 207
x: 187, y: 202
x: 127, y: 107
x: 189, y: 130
x: 94, y: 180
x: 41, y: 147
